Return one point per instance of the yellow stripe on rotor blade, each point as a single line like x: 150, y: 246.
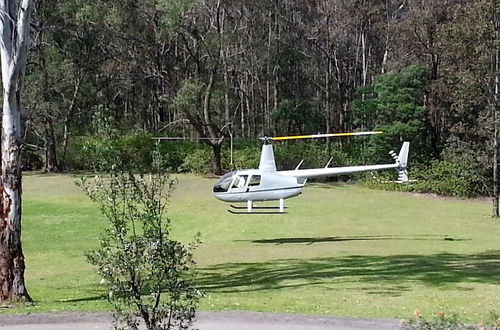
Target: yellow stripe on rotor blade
x: 312, y: 136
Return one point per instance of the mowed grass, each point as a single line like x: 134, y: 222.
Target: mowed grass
x: 340, y: 250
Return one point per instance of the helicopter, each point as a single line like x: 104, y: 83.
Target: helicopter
x: 268, y: 184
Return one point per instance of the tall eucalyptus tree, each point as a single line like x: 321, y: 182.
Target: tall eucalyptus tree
x: 14, y: 34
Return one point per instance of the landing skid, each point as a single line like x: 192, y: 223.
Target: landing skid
x: 257, y: 207
x: 258, y: 212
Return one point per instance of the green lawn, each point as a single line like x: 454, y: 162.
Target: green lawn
x: 340, y: 250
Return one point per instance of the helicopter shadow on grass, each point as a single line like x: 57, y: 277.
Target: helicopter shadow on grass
x: 312, y: 240
x: 96, y: 297
x: 392, y: 275
x: 91, y: 292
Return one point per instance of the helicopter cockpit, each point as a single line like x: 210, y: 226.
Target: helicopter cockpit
x: 224, y: 182
x: 236, y: 181
x: 231, y: 180
x: 254, y: 185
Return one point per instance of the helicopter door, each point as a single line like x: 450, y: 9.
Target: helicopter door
x: 239, y: 183
x: 254, y: 182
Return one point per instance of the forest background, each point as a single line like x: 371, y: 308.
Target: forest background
x: 104, y: 77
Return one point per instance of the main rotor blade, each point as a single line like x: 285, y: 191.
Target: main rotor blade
x: 312, y: 136
x: 178, y: 138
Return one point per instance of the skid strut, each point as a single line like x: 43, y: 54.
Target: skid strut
x: 250, y: 208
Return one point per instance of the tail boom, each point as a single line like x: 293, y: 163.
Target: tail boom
x: 400, y: 164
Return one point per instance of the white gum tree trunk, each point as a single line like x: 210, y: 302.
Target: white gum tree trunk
x: 14, y: 34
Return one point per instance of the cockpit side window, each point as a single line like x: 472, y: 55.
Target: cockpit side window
x: 240, y: 181
x: 254, y: 181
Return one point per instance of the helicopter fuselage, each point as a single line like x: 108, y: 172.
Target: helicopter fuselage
x: 267, y: 184
x: 256, y: 185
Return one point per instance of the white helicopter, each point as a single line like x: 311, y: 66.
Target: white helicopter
x: 267, y: 184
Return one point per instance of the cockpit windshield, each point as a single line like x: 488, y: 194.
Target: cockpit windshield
x: 223, y: 184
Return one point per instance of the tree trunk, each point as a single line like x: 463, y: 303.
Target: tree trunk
x: 14, y: 33
x: 496, y: 146
x: 12, y: 285
x: 496, y: 190
x: 62, y: 163
x: 69, y: 115
x: 216, y: 163
x: 51, y: 164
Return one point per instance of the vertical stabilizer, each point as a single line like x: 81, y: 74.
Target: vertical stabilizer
x: 267, y: 162
x: 403, y: 154
x: 403, y: 162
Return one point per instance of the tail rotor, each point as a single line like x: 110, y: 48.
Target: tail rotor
x: 402, y: 162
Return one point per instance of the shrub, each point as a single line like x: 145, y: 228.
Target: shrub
x: 93, y: 153
x: 197, y: 161
x: 439, y: 322
x: 458, y: 179
x: 248, y: 157
x: 147, y: 272
x: 99, y: 153
x: 32, y: 160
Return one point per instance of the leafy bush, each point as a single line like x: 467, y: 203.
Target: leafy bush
x: 32, y: 160
x: 148, y: 274
x: 98, y: 153
x: 459, y: 179
x: 197, y: 161
x: 248, y: 157
x: 92, y: 153
x: 137, y: 150
x: 439, y: 322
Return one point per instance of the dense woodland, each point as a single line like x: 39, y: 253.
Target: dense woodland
x: 103, y: 74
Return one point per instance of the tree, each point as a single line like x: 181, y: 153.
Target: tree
x: 422, y: 41
x: 190, y: 98
x: 395, y: 106
x: 141, y: 264
x: 473, y: 38
x: 203, y: 39
x: 14, y: 34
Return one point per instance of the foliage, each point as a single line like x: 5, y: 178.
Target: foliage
x: 247, y: 157
x: 174, y: 11
x: 100, y: 153
x: 188, y: 97
x: 198, y: 161
x: 459, y: 173
x: 458, y: 179
x: 31, y: 160
x: 495, y: 320
x: 395, y: 106
x: 440, y: 322
x: 147, y: 272
x: 295, y: 116
x: 450, y: 179
x: 93, y: 153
